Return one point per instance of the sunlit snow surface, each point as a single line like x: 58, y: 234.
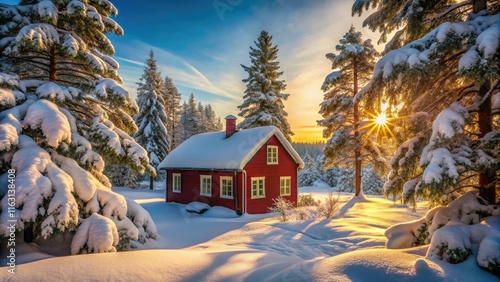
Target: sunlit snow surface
x: 194, y: 247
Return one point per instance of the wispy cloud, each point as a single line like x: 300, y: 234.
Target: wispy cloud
x: 132, y: 58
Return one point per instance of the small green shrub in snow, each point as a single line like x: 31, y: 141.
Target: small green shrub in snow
x: 307, y: 200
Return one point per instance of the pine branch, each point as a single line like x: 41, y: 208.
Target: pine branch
x: 450, y: 9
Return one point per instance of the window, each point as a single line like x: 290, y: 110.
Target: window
x: 226, y: 187
x: 258, y: 187
x: 205, y: 185
x: 176, y: 182
x: 272, y: 154
x: 285, y: 186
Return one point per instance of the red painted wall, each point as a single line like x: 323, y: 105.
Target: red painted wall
x: 190, y: 188
x: 258, y: 167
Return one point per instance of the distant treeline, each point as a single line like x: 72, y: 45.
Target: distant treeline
x: 314, y: 149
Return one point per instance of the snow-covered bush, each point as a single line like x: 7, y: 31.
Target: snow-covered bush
x: 306, y: 200
x: 64, y: 116
x: 284, y: 207
x: 329, y: 207
x: 452, y: 231
x: 97, y: 234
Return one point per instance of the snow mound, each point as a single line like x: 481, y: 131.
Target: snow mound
x: 197, y: 207
x: 393, y: 265
x: 220, y: 212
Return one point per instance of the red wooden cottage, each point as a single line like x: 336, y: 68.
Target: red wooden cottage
x: 241, y: 170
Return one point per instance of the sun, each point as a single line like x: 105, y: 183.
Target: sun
x: 381, y: 119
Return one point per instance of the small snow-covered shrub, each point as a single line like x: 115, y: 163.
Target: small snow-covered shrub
x: 197, y: 207
x: 488, y: 256
x: 451, y: 243
x: 328, y: 208
x: 284, y: 207
x: 306, y: 200
x: 301, y: 213
x: 97, y: 234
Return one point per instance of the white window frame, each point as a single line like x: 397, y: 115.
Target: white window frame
x: 222, y: 195
x: 270, y: 158
x: 175, y: 188
x: 283, y: 191
x: 203, y: 177
x: 257, y: 179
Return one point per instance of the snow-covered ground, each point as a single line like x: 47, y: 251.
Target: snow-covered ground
x: 194, y: 247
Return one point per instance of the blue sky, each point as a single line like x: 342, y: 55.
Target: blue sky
x: 200, y: 44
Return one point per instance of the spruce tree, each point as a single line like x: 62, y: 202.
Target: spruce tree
x: 64, y: 114
x: 172, y: 104
x: 349, y: 144
x: 151, y: 119
x: 263, y: 99
x: 443, y: 78
x: 310, y: 173
x: 189, y: 118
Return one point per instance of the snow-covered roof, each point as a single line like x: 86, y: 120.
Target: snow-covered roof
x: 215, y: 151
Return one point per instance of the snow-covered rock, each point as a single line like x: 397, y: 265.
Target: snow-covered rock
x: 197, y: 207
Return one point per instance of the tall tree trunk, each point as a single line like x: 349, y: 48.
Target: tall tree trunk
x: 28, y: 233
x: 357, y: 137
x: 150, y: 183
x: 485, y: 121
x: 52, y: 63
x: 478, y: 6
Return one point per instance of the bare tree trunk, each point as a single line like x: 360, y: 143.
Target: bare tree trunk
x: 52, y: 63
x: 150, y: 183
x: 487, y: 188
x: 485, y: 121
x: 357, y: 137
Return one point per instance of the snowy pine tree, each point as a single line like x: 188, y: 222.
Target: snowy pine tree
x: 263, y: 99
x: 347, y: 145
x: 214, y: 123
x: 447, y: 71
x: 64, y: 114
x: 373, y: 184
x: 202, y: 118
x: 198, y: 118
x: 310, y: 173
x: 172, y: 104
x: 151, y: 119
x: 190, y: 118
